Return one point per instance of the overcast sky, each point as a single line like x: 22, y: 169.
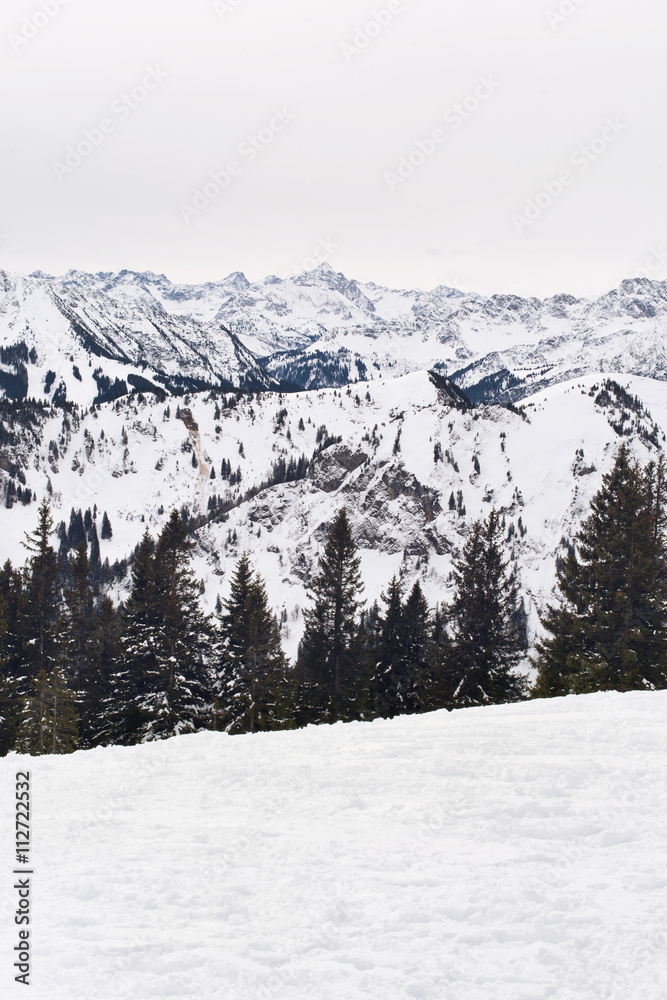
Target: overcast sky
x: 116, y: 112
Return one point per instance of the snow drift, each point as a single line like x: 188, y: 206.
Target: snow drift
x: 507, y: 853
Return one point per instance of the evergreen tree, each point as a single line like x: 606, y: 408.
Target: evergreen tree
x: 139, y: 623
x: 176, y: 685
x: 436, y: 692
x: 107, y: 533
x: 80, y: 649
x: 40, y: 609
x: 487, y: 642
x: 417, y: 639
x: 400, y: 677
x: 48, y: 725
x: 12, y: 597
x: 95, y: 558
x: 106, y: 646
x: 610, y: 629
x: 389, y: 669
x: 329, y: 654
x: 368, y: 643
x: 253, y: 687
x: 76, y: 532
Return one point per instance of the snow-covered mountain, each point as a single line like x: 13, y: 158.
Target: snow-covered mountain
x: 321, y: 329
x: 75, y: 340
x: 411, y: 462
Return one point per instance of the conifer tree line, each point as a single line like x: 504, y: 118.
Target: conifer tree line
x: 78, y: 672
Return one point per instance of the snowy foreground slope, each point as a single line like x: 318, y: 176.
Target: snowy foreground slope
x: 507, y: 853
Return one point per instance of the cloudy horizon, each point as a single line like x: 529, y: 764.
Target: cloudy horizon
x: 491, y: 149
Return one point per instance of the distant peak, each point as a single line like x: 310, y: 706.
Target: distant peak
x: 238, y: 279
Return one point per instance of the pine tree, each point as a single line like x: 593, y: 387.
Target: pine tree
x: 107, y: 533
x: 253, y: 687
x: 417, y: 637
x: 436, y: 692
x: 48, y: 725
x: 80, y: 649
x: 487, y: 642
x: 176, y: 697
x: 76, y: 532
x: 400, y: 678
x: 610, y: 630
x: 389, y: 668
x: 12, y: 596
x: 40, y: 608
x: 328, y: 662
x: 95, y: 558
x: 139, y: 625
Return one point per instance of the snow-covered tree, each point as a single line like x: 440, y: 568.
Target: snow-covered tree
x: 329, y: 656
x: 487, y: 638
x: 253, y: 686
x: 166, y: 642
x: 40, y: 607
x: 610, y: 629
x: 48, y: 724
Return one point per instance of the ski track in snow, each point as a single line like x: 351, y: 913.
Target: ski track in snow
x: 506, y: 853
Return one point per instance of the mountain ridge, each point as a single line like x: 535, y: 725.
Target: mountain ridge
x: 321, y: 329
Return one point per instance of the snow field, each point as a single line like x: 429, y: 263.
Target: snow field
x: 508, y: 853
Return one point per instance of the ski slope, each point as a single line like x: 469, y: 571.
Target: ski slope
x: 507, y: 853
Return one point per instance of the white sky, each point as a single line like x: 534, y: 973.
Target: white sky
x: 323, y: 177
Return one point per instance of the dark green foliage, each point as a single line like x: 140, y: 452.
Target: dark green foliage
x: 11, y: 645
x: 139, y: 624
x: 328, y: 664
x: 488, y: 640
x: 76, y: 532
x: 80, y: 649
x: 252, y: 687
x: 401, y: 674
x: 610, y: 631
x: 40, y: 607
x: 48, y: 723
x: 107, y: 533
x: 388, y: 670
x: 166, y: 639
x: 95, y: 559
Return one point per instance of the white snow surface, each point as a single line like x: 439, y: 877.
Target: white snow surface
x: 505, y: 853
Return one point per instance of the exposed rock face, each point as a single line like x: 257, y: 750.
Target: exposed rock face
x: 332, y: 467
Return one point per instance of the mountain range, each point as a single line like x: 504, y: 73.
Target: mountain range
x: 317, y: 330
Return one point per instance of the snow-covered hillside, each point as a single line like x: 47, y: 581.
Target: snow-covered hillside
x: 81, y: 344
x: 322, y: 329
x: 412, y: 469
x: 505, y: 853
